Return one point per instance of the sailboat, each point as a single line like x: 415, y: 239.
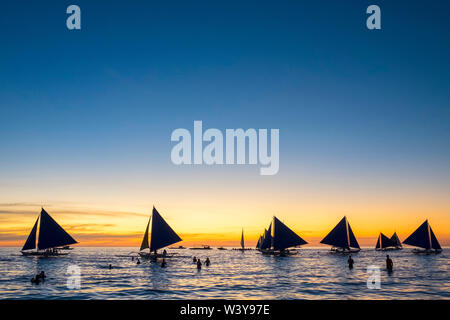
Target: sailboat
x: 242, y: 248
x: 396, y: 241
x: 341, y: 238
x: 266, y: 241
x: 161, y: 235
x: 278, y: 239
x: 51, y: 237
x: 424, y: 238
x: 384, y: 243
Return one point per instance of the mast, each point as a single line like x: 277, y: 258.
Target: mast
x: 242, y: 239
x: 346, y: 229
x: 429, y: 234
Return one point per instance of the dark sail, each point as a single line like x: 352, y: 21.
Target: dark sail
x: 395, y: 240
x: 144, y: 244
x: 434, y: 242
x: 162, y: 234
x: 384, y: 242
x: 284, y: 237
x: 258, y: 243
x: 242, y: 239
x: 338, y: 236
x: 51, y: 234
x: 267, y: 242
x: 353, y: 242
x: 31, y: 240
x: 420, y: 238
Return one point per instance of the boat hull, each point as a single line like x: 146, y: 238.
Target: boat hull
x: 344, y: 250
x: 44, y: 254
x: 389, y: 249
x: 147, y: 255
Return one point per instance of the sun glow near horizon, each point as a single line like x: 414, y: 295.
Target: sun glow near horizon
x: 216, y: 226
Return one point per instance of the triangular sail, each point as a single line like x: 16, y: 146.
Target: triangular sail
x: 434, y: 242
x: 384, y: 242
x: 144, y: 244
x: 352, y: 238
x: 267, y: 241
x: 284, y: 237
x: 258, y: 243
x: 31, y: 240
x: 51, y: 234
x: 162, y: 234
x: 242, y: 239
x: 338, y: 236
x: 420, y: 238
x: 395, y: 240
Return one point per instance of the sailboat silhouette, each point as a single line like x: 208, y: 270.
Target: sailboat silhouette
x: 278, y: 238
x: 51, y: 237
x: 341, y: 238
x: 161, y: 235
x: 424, y: 238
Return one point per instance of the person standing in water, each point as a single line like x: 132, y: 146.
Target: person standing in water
x: 389, y: 263
x: 350, y: 262
x: 207, y: 261
x: 138, y: 261
x: 199, y: 264
x: 194, y: 259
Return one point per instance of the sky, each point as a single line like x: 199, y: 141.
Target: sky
x: 86, y: 117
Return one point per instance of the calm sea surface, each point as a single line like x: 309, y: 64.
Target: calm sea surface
x: 312, y: 274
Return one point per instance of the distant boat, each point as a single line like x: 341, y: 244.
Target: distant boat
x: 278, y: 238
x: 203, y: 247
x: 51, y: 238
x: 341, y: 238
x: 396, y: 241
x: 242, y: 248
x: 424, y: 238
x: 384, y: 243
x: 162, y: 235
x: 258, y: 244
x: 221, y: 248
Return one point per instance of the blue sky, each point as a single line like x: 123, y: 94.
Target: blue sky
x: 82, y: 107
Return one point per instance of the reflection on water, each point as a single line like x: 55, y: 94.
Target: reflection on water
x: 312, y: 274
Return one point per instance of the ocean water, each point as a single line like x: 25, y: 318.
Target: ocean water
x: 311, y: 274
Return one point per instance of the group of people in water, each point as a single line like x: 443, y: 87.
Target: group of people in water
x: 40, y: 277
x: 199, y: 262
x: 389, y: 263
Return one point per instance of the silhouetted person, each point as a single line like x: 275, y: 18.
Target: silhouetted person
x: 350, y: 262
x: 163, y: 263
x: 42, y: 275
x: 138, y: 261
x: 35, y: 280
x: 207, y: 262
x: 164, y: 253
x: 110, y: 266
x: 132, y: 258
x: 389, y: 263
x: 199, y: 264
x: 194, y: 259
